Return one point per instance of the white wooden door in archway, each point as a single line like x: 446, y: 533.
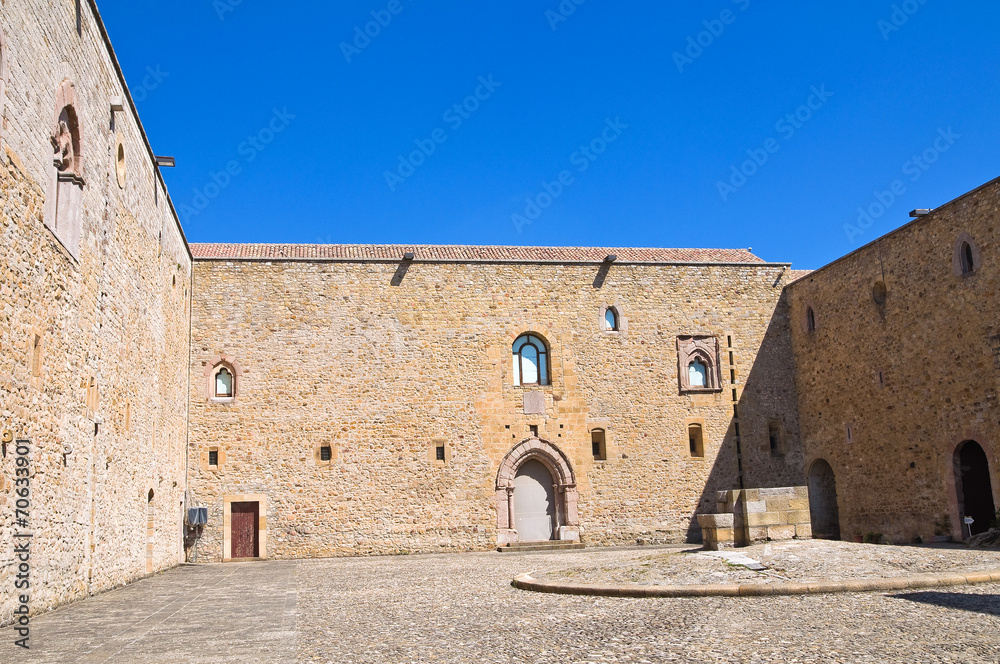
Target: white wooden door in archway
x: 534, y: 502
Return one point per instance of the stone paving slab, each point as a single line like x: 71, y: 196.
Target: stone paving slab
x: 197, y: 614
x: 462, y: 608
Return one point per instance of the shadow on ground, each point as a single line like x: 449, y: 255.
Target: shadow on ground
x: 988, y: 604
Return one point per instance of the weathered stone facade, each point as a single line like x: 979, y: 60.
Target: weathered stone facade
x: 94, y: 319
x: 901, y: 370
x: 341, y: 352
x: 346, y: 400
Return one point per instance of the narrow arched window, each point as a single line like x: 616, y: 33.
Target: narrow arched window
x: 697, y: 374
x: 598, y: 443
x: 224, y: 383
x: 696, y: 440
x: 810, y: 320
x: 611, y: 320
x: 968, y: 262
x: 530, y: 361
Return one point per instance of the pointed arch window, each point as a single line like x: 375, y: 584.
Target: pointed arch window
x: 698, y: 364
x: 697, y: 374
x: 966, y: 256
x: 530, y: 355
x: 968, y: 262
x: 810, y: 320
x: 224, y: 384
x: 223, y: 377
x: 611, y: 323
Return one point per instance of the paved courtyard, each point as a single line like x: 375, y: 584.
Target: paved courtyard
x: 461, y: 608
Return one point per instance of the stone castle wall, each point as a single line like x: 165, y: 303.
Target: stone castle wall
x: 331, y: 353
x: 93, y: 347
x: 912, y: 376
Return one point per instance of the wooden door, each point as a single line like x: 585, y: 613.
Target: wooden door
x: 534, y: 503
x: 245, y: 517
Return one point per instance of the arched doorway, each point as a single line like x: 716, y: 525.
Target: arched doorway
x: 536, y: 495
x: 534, y: 502
x: 823, y: 509
x: 974, y: 487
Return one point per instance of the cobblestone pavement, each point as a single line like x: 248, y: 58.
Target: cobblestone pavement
x: 461, y: 608
x: 797, y: 561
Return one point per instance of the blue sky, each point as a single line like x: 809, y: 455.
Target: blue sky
x: 603, y: 123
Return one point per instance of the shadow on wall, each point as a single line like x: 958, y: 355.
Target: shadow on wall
x: 762, y: 444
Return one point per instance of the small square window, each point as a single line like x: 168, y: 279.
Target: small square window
x: 325, y: 453
x: 213, y: 457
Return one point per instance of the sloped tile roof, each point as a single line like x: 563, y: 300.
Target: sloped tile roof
x: 795, y: 275
x: 459, y: 253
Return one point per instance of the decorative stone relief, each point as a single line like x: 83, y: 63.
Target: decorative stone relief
x: 703, y: 350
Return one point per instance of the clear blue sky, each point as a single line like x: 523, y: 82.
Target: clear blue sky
x: 226, y: 66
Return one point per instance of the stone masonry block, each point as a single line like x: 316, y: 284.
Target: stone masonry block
x: 777, y: 504
x: 762, y: 519
x: 780, y: 492
x: 798, y: 516
x: 779, y: 533
x: 715, y: 520
x: 756, y: 507
x: 803, y: 531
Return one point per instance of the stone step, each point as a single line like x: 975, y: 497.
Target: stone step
x: 521, y: 547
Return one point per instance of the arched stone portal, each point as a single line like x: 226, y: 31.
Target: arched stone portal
x: 974, y: 487
x: 823, y: 509
x: 536, y: 494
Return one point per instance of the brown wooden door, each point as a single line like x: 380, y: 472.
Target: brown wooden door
x: 245, y: 517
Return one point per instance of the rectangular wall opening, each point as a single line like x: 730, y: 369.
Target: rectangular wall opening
x: 696, y: 441
x: 598, y: 443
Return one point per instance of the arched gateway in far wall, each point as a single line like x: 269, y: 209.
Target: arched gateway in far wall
x: 536, y: 495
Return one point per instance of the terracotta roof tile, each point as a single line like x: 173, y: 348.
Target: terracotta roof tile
x: 393, y: 252
x: 795, y: 275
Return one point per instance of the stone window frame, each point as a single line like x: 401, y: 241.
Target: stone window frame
x: 318, y: 452
x: 120, y: 158
x: 704, y: 348
x: 546, y: 351
x: 432, y: 448
x: 699, y: 424
x: 959, y: 260
x: 65, y: 220
x: 212, y: 368
x: 621, y: 324
x: 601, y: 453
x: 222, y: 458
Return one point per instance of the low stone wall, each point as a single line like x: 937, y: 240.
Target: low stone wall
x: 757, y: 515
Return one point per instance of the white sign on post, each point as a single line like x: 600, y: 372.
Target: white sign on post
x: 968, y: 520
